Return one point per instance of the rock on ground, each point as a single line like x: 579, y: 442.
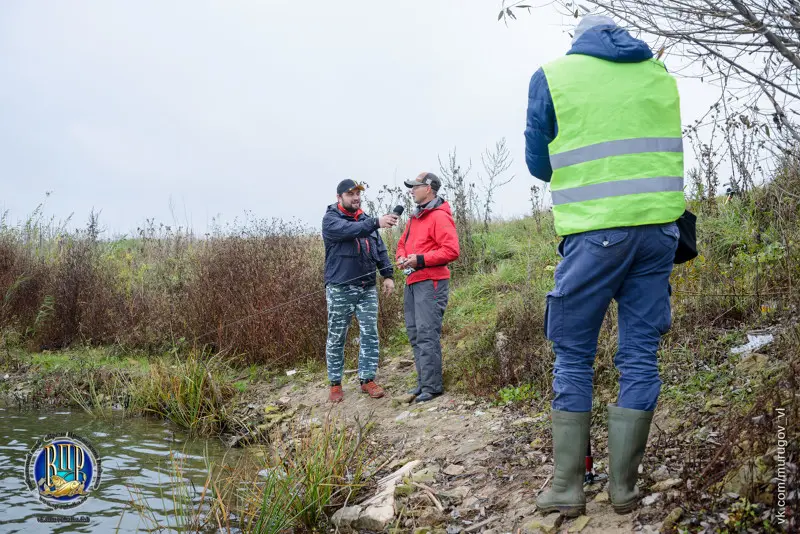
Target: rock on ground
x: 377, y: 512
x: 666, y: 484
x: 345, y: 517
x: 456, y: 495
x: 454, y: 470
x: 376, y: 517
x: 579, y: 524
x: 661, y: 474
x: 545, y: 525
x: 651, y: 499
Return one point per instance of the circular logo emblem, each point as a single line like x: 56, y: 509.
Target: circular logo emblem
x: 63, y: 469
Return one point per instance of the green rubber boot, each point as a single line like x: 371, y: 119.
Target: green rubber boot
x: 570, y: 440
x: 627, y: 439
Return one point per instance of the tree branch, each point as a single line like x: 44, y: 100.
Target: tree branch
x: 771, y: 37
x: 743, y: 69
x: 780, y: 112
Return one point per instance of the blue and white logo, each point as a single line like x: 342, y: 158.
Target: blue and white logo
x: 63, y: 469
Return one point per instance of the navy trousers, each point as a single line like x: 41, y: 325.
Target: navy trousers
x: 631, y: 265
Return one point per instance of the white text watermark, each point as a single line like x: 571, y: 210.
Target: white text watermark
x: 780, y: 465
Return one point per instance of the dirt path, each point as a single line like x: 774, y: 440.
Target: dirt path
x: 482, y: 462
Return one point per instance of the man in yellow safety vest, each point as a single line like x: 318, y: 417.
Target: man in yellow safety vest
x: 604, y: 128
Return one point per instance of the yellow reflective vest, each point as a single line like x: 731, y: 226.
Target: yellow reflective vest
x: 618, y: 156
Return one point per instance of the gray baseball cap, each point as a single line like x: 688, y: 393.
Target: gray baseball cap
x: 426, y: 178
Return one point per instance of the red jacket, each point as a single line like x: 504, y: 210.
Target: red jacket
x: 431, y: 236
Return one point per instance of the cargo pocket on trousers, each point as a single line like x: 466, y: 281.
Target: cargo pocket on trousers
x: 665, y: 321
x: 553, y: 318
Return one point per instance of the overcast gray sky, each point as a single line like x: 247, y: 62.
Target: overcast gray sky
x: 222, y: 107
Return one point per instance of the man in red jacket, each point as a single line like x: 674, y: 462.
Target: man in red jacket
x: 429, y: 242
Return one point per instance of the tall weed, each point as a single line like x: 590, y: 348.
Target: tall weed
x: 192, y: 392
x: 291, y: 486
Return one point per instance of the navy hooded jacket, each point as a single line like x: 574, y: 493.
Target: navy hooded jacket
x: 353, y: 249
x: 606, y: 41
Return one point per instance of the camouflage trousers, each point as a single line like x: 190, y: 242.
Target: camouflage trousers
x: 343, y: 302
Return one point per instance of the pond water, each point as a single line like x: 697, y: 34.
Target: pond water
x: 135, y: 456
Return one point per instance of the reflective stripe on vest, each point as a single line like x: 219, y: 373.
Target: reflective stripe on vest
x: 617, y: 188
x: 619, y: 147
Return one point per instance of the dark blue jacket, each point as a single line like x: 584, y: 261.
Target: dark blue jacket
x: 607, y: 42
x: 353, y: 249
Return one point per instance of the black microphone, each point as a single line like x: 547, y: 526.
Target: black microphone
x: 398, y: 210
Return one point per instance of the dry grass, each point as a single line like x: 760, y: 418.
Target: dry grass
x: 254, y: 290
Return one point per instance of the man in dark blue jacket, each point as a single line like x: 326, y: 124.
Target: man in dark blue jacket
x: 354, y: 251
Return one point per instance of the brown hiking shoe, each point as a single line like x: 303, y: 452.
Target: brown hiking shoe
x: 373, y: 389
x: 336, y: 395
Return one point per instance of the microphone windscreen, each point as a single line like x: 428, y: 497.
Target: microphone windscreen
x: 398, y: 210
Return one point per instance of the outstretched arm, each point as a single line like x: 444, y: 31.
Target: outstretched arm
x: 338, y: 229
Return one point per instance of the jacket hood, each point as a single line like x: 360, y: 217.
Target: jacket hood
x: 437, y: 203
x: 599, y: 37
